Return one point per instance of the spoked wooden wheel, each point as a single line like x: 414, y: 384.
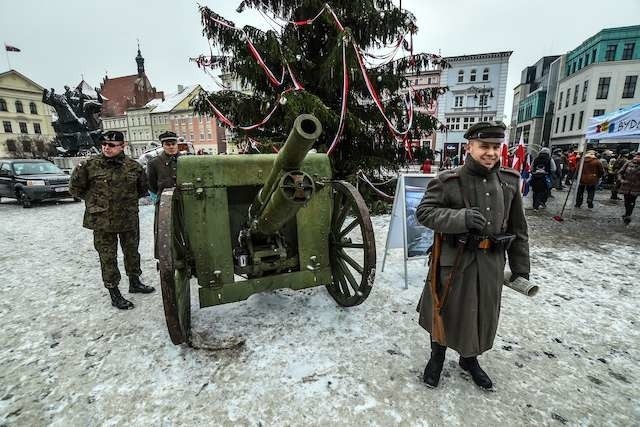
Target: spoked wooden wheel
x: 352, y: 246
x: 174, y: 274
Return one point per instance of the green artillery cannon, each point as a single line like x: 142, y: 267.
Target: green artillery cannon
x: 243, y: 224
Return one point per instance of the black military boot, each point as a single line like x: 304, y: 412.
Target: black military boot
x: 117, y: 300
x: 136, y: 286
x: 480, y: 377
x: 431, y: 375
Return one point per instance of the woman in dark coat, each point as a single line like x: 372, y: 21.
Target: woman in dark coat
x: 629, y: 177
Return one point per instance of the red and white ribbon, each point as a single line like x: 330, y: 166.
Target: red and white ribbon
x: 256, y: 55
x: 224, y: 119
x: 376, y: 98
x: 345, y: 94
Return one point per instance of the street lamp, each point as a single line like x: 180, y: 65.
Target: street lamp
x: 482, y: 91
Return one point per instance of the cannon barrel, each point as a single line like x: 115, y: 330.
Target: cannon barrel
x: 287, y: 188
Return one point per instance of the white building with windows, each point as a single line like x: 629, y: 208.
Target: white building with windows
x: 598, y: 77
x: 477, y: 89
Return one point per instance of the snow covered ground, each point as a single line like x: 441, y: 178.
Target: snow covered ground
x: 570, y: 355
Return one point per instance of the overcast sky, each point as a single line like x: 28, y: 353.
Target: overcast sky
x: 60, y: 40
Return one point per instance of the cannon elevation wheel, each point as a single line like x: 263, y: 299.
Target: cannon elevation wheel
x: 352, y: 246
x: 174, y: 272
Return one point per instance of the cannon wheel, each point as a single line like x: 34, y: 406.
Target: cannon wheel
x: 353, y: 272
x: 176, y: 296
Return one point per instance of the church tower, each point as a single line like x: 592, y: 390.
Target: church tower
x: 140, y: 62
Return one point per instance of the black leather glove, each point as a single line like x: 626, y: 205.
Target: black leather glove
x: 474, y: 220
x: 514, y: 276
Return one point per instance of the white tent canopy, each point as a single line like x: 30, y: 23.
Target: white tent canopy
x: 621, y: 124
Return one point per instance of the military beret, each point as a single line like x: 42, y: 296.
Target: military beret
x: 112, y: 135
x: 486, y: 130
x: 168, y: 136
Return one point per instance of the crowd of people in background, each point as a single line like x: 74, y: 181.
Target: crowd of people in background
x: 557, y: 170
x: 605, y: 170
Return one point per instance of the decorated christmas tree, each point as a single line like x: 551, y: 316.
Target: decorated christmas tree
x: 319, y: 58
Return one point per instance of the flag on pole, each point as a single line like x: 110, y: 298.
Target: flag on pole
x: 10, y: 48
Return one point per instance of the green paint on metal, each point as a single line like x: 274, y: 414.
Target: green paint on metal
x: 240, y: 291
x: 207, y: 183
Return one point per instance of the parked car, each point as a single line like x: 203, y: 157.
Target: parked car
x: 32, y: 180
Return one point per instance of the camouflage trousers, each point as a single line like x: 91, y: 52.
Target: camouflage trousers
x: 107, y: 246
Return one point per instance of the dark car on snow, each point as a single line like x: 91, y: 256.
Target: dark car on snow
x: 32, y: 180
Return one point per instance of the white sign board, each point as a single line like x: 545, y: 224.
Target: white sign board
x: 621, y: 124
x: 404, y: 229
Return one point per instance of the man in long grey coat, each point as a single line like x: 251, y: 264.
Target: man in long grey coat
x: 478, y: 210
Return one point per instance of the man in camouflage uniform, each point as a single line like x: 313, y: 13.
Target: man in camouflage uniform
x: 478, y: 209
x: 111, y: 184
x: 162, y: 173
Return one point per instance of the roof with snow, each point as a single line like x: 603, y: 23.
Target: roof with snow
x: 172, y: 100
x: 88, y: 90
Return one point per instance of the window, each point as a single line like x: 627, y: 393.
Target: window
x: 598, y: 112
x: 458, y: 101
x: 610, y: 53
x: 627, y: 51
x: 485, y: 74
x: 36, y: 128
x: 32, y: 108
x: 579, y: 63
x: 3, y: 105
x: 483, y: 100
x: 473, y: 76
x: 564, y: 122
x: 580, y: 116
x: 573, y: 116
x: 19, y: 108
x: 566, y: 104
x: 603, y: 88
x: 23, y: 127
x: 557, y: 123
x: 575, y: 94
x: 560, y: 100
x: 460, y: 76
x: 593, y: 55
x: 585, y: 90
x: 629, y: 86
x: 7, y: 126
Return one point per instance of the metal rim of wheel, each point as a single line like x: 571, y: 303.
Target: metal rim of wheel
x: 165, y: 236
x: 350, y: 286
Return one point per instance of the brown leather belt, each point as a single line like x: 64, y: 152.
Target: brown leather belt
x: 485, y: 244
